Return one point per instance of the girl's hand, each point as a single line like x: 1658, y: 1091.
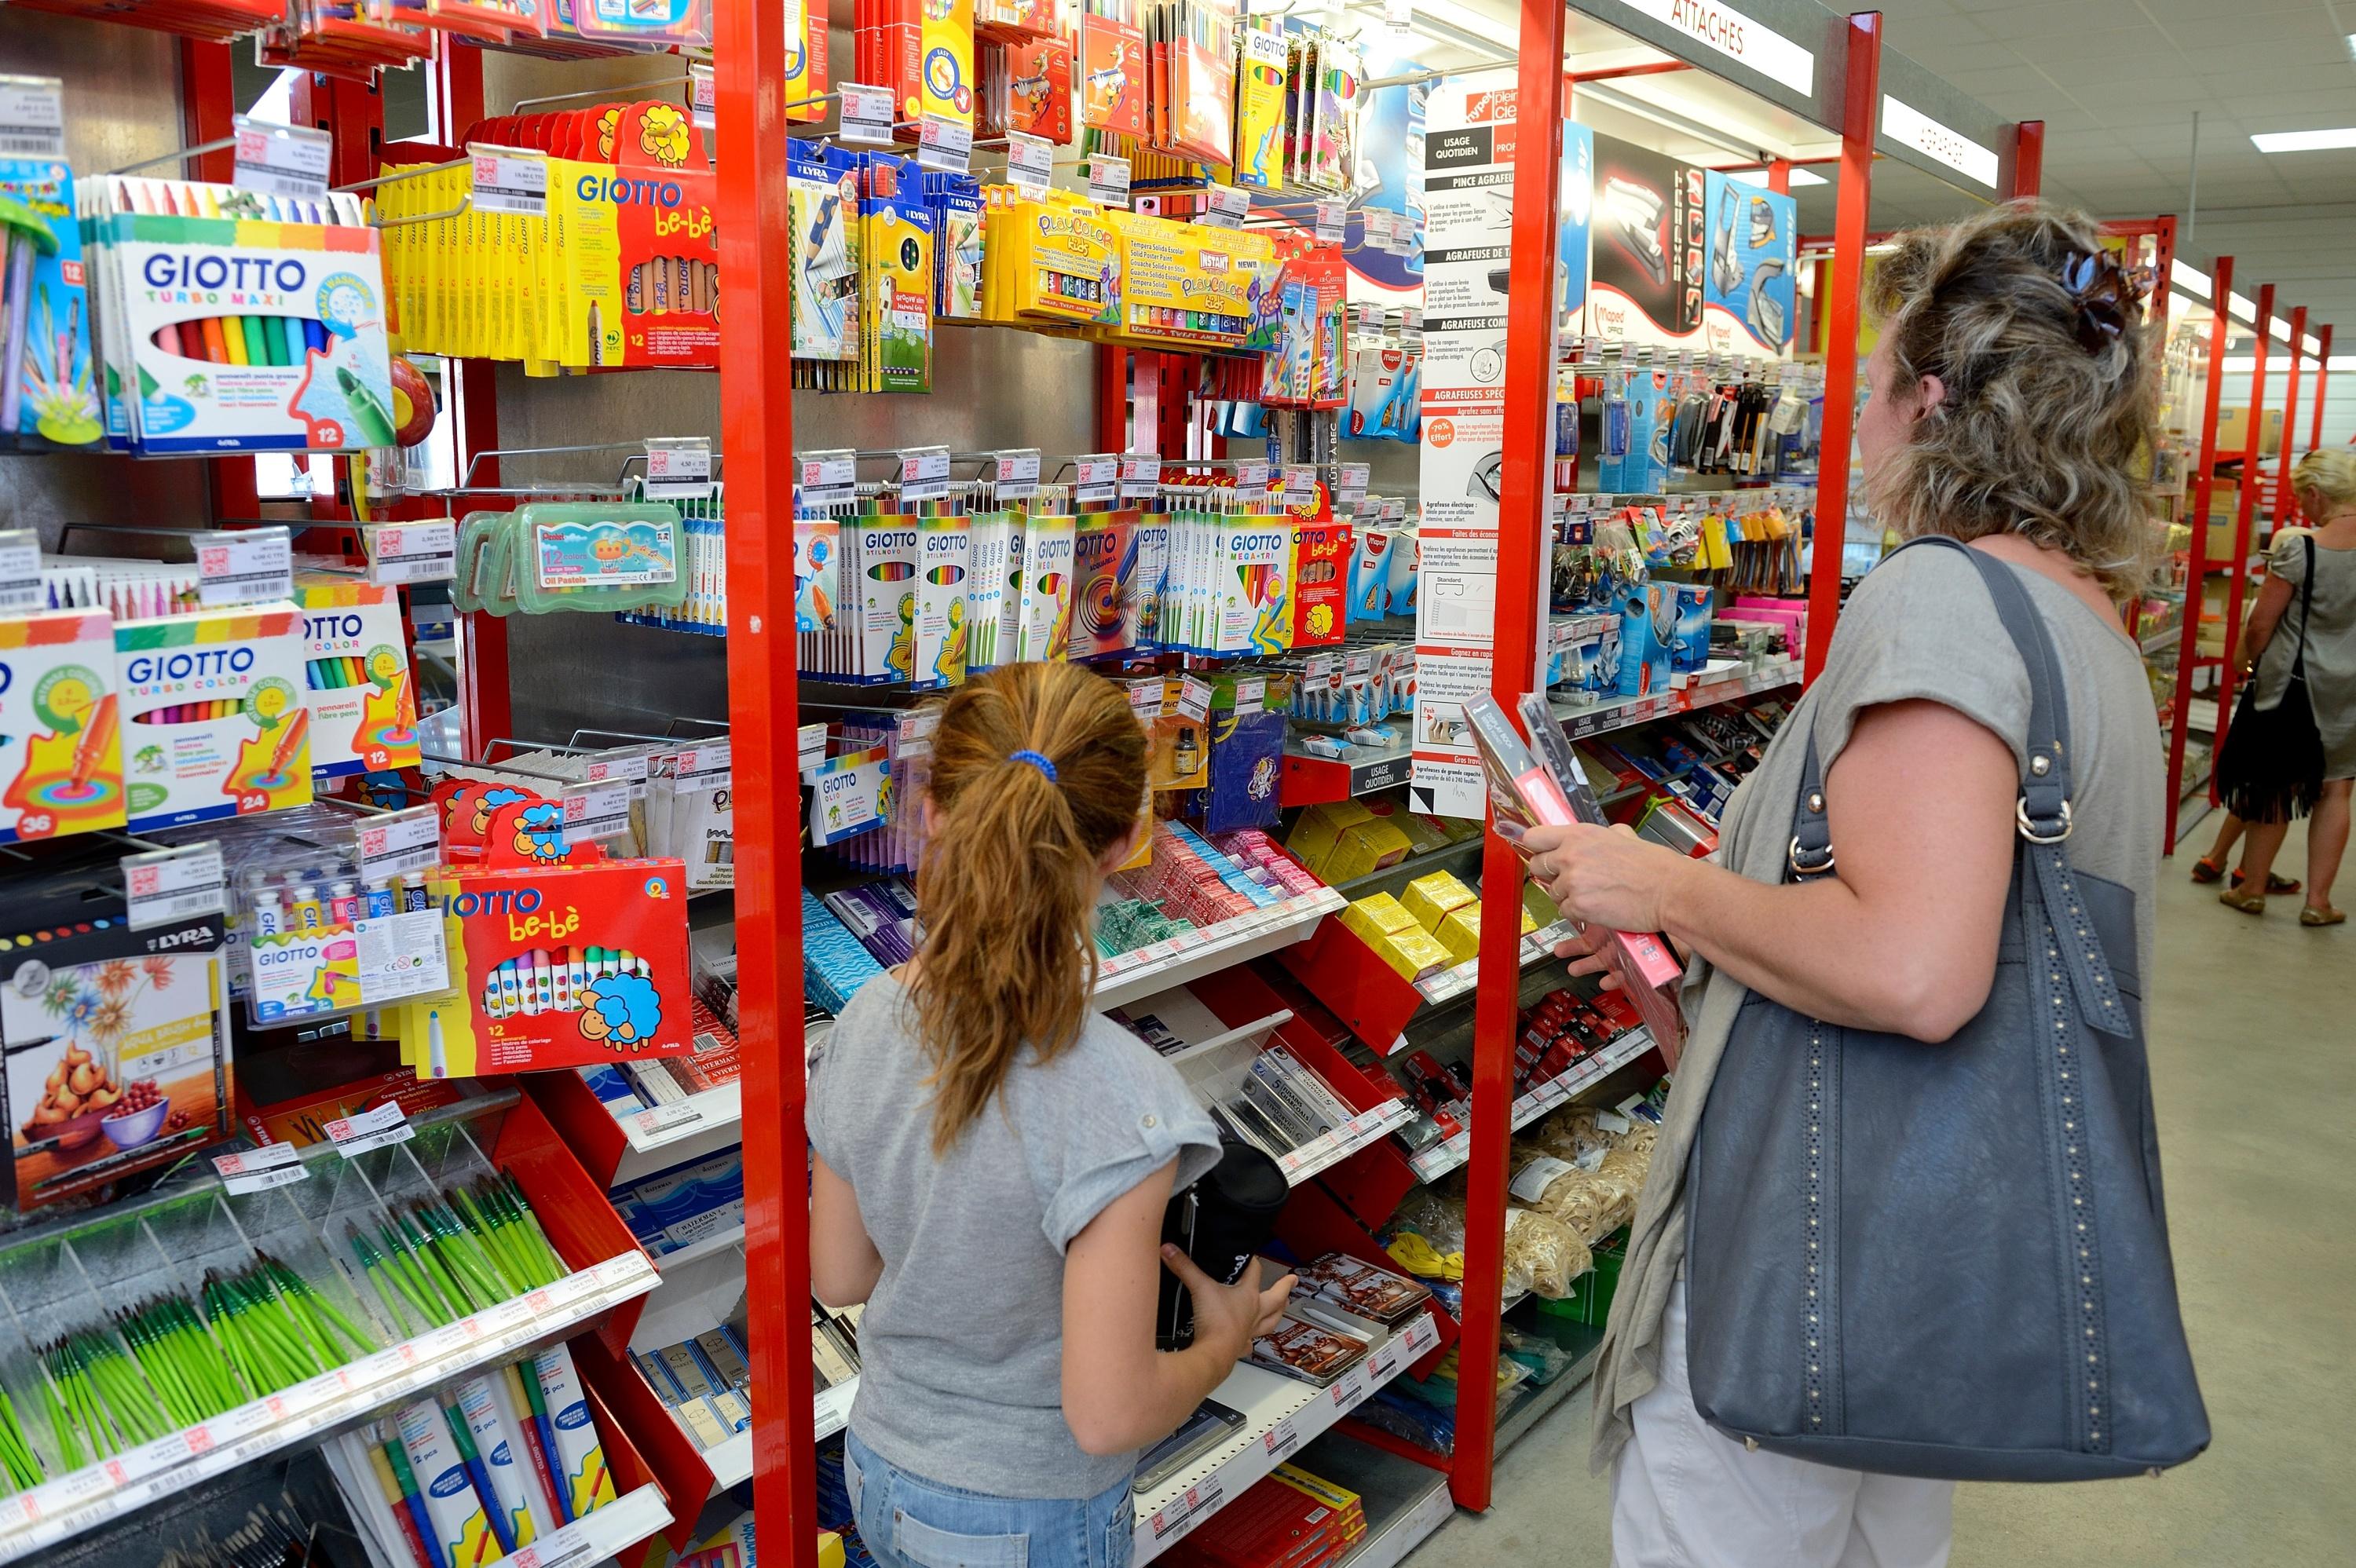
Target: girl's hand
x: 1603, y: 876
x: 1231, y: 1315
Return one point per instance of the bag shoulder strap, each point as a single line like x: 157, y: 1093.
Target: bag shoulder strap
x: 2306, y: 611
x: 2044, y: 807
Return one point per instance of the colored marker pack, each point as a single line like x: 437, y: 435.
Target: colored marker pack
x: 61, y: 726
x: 237, y: 322
x: 1320, y: 555
x: 357, y: 679
x: 555, y: 966
x: 214, y: 719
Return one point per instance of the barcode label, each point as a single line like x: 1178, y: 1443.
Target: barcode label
x: 32, y: 117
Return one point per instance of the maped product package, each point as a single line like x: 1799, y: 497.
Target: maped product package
x: 61, y: 726
x: 117, y: 1055
x: 216, y: 724
x: 49, y: 386
x: 356, y: 677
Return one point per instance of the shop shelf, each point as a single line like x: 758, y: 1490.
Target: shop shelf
x: 612, y: 1530
x: 1128, y: 976
x: 1580, y: 722
x: 731, y: 1462
x: 1281, y: 1415
x: 1314, y: 781
x: 1405, y: 1500
x: 1450, y: 983
x: 1587, y: 1345
x: 1442, y: 1157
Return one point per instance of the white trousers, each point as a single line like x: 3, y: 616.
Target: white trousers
x: 1684, y: 1495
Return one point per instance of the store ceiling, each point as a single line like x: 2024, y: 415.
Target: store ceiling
x: 2116, y: 81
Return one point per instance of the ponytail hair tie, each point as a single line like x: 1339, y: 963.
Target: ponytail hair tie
x: 1037, y: 760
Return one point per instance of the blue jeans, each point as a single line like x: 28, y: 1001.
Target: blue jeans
x: 908, y: 1521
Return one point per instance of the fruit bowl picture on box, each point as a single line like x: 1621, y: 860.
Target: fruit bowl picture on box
x: 110, y: 1067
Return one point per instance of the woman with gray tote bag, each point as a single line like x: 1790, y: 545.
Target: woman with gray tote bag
x: 1904, y: 1227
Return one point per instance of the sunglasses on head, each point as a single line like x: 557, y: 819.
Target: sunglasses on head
x: 2105, y: 295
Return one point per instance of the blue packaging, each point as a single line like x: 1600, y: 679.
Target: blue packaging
x: 1689, y: 651
x: 49, y: 386
x: 1370, y: 595
x: 1647, y: 631
x: 1644, y: 469
x: 1747, y: 302
x: 1406, y: 570
x: 834, y: 963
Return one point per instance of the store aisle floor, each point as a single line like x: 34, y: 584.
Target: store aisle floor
x: 2253, y: 1061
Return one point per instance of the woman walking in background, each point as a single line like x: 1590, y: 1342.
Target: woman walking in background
x: 2301, y: 643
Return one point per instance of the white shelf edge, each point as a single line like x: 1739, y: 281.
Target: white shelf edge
x: 1324, y: 1153
x: 731, y: 1464
x: 717, y: 1242
x: 596, y: 1537
x: 1130, y: 977
x: 1281, y: 1416
x: 112, y: 1488
x: 1452, y: 983
x: 1442, y: 1157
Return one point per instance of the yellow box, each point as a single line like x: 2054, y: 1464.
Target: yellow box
x: 1419, y: 831
x: 1536, y: 907
x: 1460, y: 931
x: 1412, y: 954
x: 1430, y: 898
x: 1320, y: 828
x: 1528, y: 924
x: 1365, y: 847
x: 1376, y: 916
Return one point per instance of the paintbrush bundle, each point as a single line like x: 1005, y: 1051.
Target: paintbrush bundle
x: 233, y: 321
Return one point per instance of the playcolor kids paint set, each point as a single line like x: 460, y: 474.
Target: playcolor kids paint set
x: 235, y: 321
x: 214, y: 719
x: 61, y: 726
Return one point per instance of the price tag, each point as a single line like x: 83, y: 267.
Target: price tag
x: 1099, y: 476
x: 1030, y: 162
x: 1395, y: 509
x: 834, y: 1407
x: 707, y: 764
x: 1383, y: 1362
x: 1145, y: 699
x: 171, y: 885
x: 1332, y: 221
x: 1300, y: 485
x: 1350, y: 1388
x: 355, y: 1136
x: 1225, y: 207
x: 1251, y: 695
x: 1280, y: 1439
x: 1398, y: 13
x: 281, y: 160
x: 20, y: 572
x: 1140, y: 475
x: 402, y: 841
x: 506, y: 180
x: 245, y: 567
x: 32, y: 117
x: 1194, y: 698
x: 945, y: 144
x: 663, y: 1119
x: 1251, y: 476
x: 1198, y: 1503
x: 830, y: 479
x: 866, y: 115
x: 1109, y: 180
x: 413, y: 552
x: 596, y: 810
x: 924, y: 474
x: 259, y: 1170
x: 1353, y: 485
x: 630, y: 765
x: 679, y: 469
x: 1016, y: 474
x: 703, y: 95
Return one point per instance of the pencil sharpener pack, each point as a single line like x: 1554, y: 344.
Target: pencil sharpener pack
x: 215, y: 720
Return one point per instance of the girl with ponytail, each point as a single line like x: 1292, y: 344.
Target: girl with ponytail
x: 991, y: 1160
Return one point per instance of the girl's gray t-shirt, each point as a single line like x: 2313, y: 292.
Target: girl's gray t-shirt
x: 962, y: 1341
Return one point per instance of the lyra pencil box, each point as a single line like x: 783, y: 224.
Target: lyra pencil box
x: 555, y: 966
x: 356, y: 678
x: 61, y: 726
x: 214, y: 719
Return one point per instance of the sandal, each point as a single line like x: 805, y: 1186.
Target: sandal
x: 2248, y: 904
x: 2285, y: 886
x: 2327, y: 915
x: 2204, y: 870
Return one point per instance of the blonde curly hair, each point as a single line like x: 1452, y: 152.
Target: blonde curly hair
x: 2050, y: 405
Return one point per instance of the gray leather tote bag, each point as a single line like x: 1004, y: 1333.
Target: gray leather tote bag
x: 1951, y: 1261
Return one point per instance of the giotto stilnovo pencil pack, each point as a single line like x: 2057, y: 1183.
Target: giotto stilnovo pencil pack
x: 232, y: 320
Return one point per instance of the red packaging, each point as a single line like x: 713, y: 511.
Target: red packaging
x: 1321, y: 568
x: 1112, y: 78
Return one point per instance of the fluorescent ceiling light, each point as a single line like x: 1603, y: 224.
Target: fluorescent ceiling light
x: 2308, y: 344
x: 2242, y: 365
x: 2190, y: 280
x: 2352, y: 45
x: 2242, y: 307
x: 2305, y: 141
x: 2278, y: 329
x: 1759, y: 176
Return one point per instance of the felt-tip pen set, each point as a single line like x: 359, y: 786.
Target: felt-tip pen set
x: 189, y: 712
x: 541, y: 981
